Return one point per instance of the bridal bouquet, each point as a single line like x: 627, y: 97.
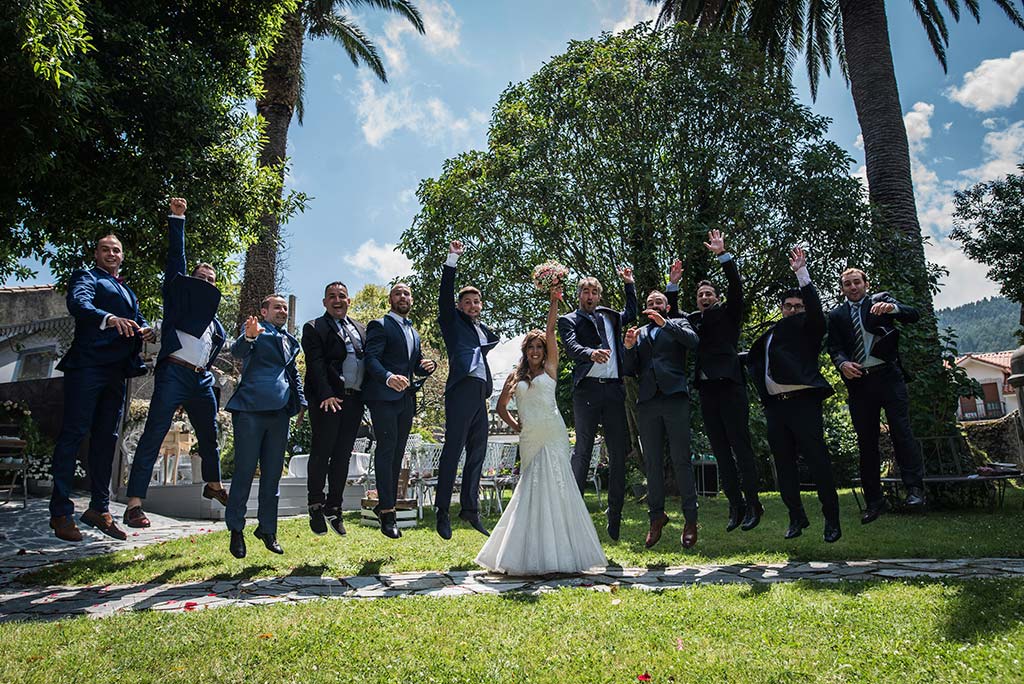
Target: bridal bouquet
x: 549, y: 274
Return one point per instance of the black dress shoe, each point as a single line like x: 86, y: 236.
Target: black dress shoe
x: 753, y: 517
x: 473, y: 519
x: 334, y: 522
x: 915, y: 497
x: 872, y: 512
x: 389, y: 524
x: 269, y: 540
x: 614, y: 521
x: 832, y: 532
x: 797, y: 527
x: 317, y: 521
x: 444, y: 524
x: 735, y: 517
x: 237, y: 546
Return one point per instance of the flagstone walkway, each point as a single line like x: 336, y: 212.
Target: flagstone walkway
x: 27, y: 545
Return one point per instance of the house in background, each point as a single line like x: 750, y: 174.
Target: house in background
x: 35, y: 330
x: 992, y: 371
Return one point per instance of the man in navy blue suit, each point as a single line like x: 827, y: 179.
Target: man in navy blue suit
x: 466, y: 392
x: 393, y: 356
x: 592, y: 336
x: 105, y: 352
x: 268, y: 395
x: 190, y: 339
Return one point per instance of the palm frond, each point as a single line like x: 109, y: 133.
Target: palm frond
x: 300, y: 102
x: 934, y: 37
x: 356, y: 44
x: 1011, y: 12
x: 403, y: 8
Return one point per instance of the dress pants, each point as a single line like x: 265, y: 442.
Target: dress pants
x: 261, y: 438
x: 601, y: 403
x: 657, y: 418
x: 176, y: 386
x: 334, y: 435
x: 883, y: 389
x: 93, y: 403
x: 726, y: 410
x: 795, y: 426
x: 465, y: 425
x: 392, y: 421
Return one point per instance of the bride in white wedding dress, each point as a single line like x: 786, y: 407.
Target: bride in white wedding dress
x: 546, y: 527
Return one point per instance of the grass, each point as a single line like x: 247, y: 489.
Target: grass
x: 364, y: 551
x: 805, y: 632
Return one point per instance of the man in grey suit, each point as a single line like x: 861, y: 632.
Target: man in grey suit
x: 656, y: 355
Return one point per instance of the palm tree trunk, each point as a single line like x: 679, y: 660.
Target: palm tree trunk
x: 901, y: 268
x: 281, y: 77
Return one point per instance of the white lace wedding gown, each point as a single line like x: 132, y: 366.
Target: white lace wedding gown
x: 546, y: 527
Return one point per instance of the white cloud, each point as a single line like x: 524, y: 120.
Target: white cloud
x: 859, y: 142
x: 383, y: 112
x: 992, y: 84
x: 636, y: 11
x: 917, y: 122
x: 383, y: 262
x: 1003, y: 151
x: 966, y: 281
x: 442, y: 33
x: 946, y: 126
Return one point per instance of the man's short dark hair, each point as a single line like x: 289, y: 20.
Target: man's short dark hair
x: 336, y: 283
x: 103, y: 236
x: 266, y: 300
x: 791, y: 293
x: 203, y: 265
x: 707, y: 283
x: 469, y: 290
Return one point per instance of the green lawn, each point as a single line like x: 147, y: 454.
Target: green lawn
x: 955, y: 534
x: 850, y: 632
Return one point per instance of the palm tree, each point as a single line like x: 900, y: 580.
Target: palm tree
x: 857, y: 33
x: 283, y: 79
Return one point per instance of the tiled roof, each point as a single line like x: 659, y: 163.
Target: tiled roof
x: 27, y: 288
x: 1000, y: 360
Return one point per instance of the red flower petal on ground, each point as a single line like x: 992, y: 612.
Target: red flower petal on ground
x: 190, y: 605
x: 679, y: 644
x: 645, y: 677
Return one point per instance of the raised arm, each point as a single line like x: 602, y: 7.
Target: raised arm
x: 504, y: 399
x: 675, y: 274
x: 628, y: 315
x: 551, y: 365
x: 815, y: 321
x: 446, y: 292
x: 175, y: 241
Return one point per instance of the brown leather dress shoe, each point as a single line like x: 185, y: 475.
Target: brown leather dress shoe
x: 64, y: 527
x: 104, y: 522
x: 689, y: 538
x: 218, y: 495
x: 654, y: 534
x: 135, y: 517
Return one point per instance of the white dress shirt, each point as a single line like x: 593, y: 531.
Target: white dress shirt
x: 869, y: 338
x: 195, y: 350
x: 610, y: 368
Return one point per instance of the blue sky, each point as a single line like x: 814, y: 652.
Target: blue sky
x: 365, y: 145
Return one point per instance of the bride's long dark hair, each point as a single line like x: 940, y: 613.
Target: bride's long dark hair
x: 523, y: 369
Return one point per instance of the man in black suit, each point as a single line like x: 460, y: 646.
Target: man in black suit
x: 393, y: 357
x: 334, y: 346
x: 718, y: 376
x: 104, y: 353
x: 864, y: 344
x: 592, y: 337
x: 784, y: 365
x: 466, y: 392
x: 656, y: 354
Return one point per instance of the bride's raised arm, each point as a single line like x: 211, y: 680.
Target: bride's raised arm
x: 551, y: 365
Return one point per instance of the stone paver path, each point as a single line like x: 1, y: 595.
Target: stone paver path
x: 26, y: 543
x: 52, y: 603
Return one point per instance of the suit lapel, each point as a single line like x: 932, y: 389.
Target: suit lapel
x: 126, y: 294
x: 401, y: 335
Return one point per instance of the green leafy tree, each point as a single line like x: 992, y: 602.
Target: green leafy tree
x: 989, y: 222
x: 283, y: 83
x: 136, y: 102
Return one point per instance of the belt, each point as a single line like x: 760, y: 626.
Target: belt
x: 874, y: 369
x: 350, y: 392
x: 184, y: 364
x: 606, y: 381
x: 789, y: 395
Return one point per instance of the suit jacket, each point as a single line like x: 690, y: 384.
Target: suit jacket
x: 660, y: 362
x: 92, y: 295
x: 842, y: 339
x: 460, y: 337
x: 387, y: 354
x: 270, y: 381
x: 580, y: 337
x: 190, y: 304
x: 718, y: 327
x: 325, y: 357
x: 796, y: 344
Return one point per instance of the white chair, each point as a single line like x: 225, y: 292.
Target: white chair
x: 423, y: 473
x: 592, y: 476
x: 297, y: 465
x: 490, y: 475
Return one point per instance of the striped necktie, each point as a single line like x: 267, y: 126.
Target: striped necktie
x: 859, y: 352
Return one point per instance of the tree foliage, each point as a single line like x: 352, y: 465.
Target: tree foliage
x: 987, y: 325
x: 626, y: 150
x: 135, y: 102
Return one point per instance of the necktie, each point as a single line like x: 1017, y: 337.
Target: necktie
x: 859, y: 352
x: 654, y: 332
x: 601, y: 332
x: 357, y: 345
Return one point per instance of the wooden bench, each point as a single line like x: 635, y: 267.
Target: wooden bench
x: 947, y: 450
